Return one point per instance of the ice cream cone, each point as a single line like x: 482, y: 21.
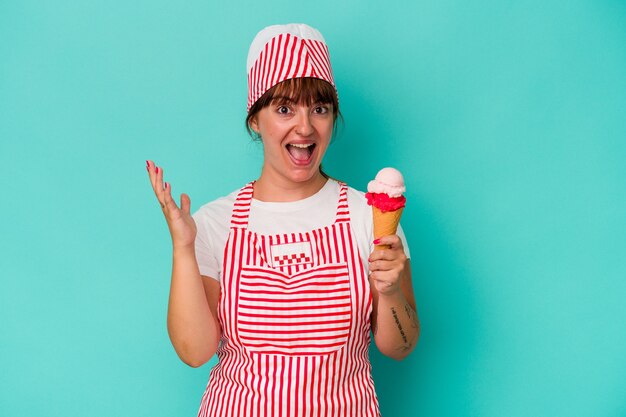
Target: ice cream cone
x: 385, y: 223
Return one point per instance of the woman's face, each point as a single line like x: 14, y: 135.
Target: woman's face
x: 295, y: 138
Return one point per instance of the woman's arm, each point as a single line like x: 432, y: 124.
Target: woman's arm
x: 192, y: 312
x: 395, y: 323
x: 191, y: 315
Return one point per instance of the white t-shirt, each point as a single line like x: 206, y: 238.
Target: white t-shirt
x: 269, y: 218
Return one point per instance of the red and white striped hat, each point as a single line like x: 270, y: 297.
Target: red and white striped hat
x: 281, y: 52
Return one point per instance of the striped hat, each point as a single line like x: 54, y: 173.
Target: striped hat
x: 281, y: 52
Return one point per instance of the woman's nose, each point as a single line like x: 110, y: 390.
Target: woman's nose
x: 304, y: 126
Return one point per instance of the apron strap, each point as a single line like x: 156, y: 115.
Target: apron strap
x: 343, y: 214
x: 241, y: 209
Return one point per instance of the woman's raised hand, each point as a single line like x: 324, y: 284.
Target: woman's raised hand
x: 179, y: 221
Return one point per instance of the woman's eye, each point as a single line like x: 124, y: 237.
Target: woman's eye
x: 283, y: 109
x: 321, y: 109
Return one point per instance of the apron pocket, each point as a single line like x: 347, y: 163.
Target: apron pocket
x: 308, y: 313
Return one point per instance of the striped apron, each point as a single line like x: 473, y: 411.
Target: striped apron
x: 295, y: 315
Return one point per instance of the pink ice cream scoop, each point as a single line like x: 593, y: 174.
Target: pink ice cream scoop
x: 385, y: 191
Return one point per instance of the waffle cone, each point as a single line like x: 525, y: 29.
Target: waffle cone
x: 385, y: 223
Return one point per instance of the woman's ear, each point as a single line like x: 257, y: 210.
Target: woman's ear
x: 254, y: 125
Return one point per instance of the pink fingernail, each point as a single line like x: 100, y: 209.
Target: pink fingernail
x: 157, y: 170
x: 376, y: 241
x: 166, y: 185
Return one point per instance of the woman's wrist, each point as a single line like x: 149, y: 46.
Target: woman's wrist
x: 394, y: 297
x: 183, y: 248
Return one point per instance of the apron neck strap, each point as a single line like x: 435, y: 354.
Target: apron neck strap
x: 343, y: 214
x: 241, y: 210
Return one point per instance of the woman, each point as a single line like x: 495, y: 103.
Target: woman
x: 279, y: 277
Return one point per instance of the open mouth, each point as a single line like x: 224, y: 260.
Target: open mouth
x: 301, y: 152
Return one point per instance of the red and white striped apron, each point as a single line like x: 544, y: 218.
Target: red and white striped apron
x: 295, y: 316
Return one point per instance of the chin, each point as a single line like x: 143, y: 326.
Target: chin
x: 304, y: 175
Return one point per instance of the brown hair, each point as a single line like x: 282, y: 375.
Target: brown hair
x: 305, y: 90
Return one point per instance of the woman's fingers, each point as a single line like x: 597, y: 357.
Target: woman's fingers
x: 386, y: 265
x: 159, y: 179
x: 150, y: 168
x: 163, y: 193
x: 185, y: 203
x: 387, y: 255
x: 395, y: 250
x: 382, y: 266
x: 382, y: 255
x: 179, y: 221
x: 170, y: 204
x: 152, y: 172
x: 393, y: 241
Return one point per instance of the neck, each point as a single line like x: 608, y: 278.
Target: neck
x: 269, y: 188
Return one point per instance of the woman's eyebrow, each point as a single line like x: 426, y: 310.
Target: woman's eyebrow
x: 282, y: 99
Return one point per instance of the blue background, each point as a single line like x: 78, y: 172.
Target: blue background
x: 508, y: 120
